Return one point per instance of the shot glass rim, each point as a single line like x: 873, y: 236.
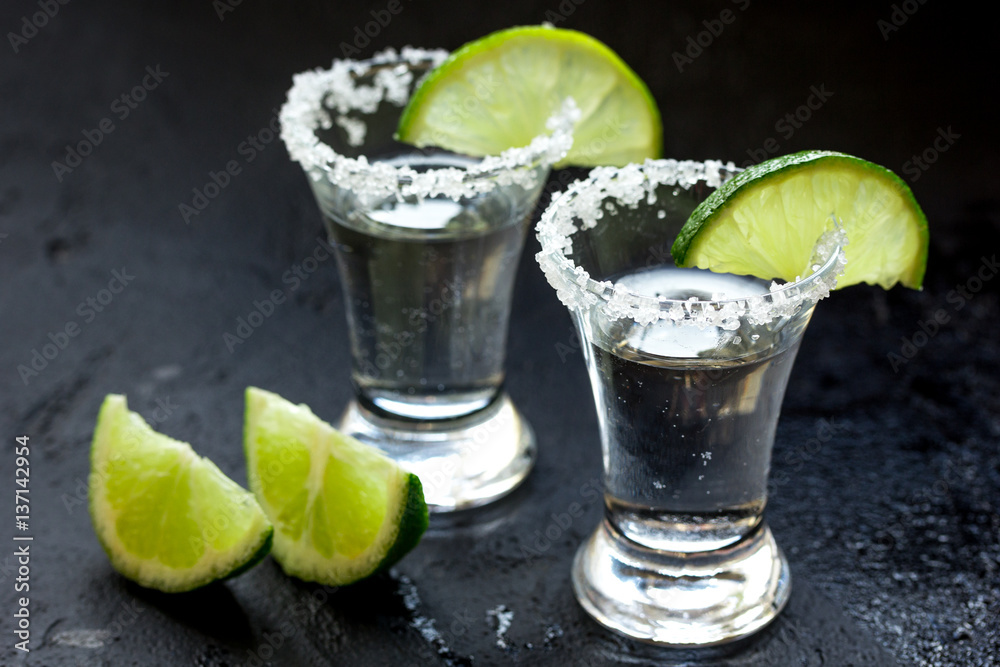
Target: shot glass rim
x: 304, y: 112
x: 563, y: 273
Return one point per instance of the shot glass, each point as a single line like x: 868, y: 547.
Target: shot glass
x: 688, y: 370
x: 427, y: 245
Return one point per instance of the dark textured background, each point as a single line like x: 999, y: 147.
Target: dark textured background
x: 886, y: 482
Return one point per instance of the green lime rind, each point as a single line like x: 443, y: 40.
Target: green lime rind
x: 255, y: 560
x: 167, y: 518
x: 766, y: 219
x: 497, y: 93
x: 412, y: 524
x: 341, y: 509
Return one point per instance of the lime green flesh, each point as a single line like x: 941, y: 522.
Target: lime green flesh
x: 167, y: 518
x: 498, y: 92
x: 341, y: 509
x: 765, y: 221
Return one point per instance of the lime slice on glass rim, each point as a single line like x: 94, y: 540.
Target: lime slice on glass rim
x: 765, y: 221
x: 341, y: 509
x: 498, y: 92
x: 167, y: 518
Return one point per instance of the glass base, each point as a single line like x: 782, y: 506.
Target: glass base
x: 462, y: 463
x: 684, y: 600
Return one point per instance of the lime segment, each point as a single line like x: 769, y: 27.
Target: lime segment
x: 342, y: 510
x: 765, y: 221
x: 167, y: 518
x: 498, y: 92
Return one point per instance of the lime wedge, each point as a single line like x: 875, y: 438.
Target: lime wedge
x: 167, y: 518
x: 341, y: 509
x: 765, y: 221
x: 498, y: 92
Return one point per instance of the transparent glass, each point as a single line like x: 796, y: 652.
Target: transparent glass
x: 688, y: 370
x: 427, y: 245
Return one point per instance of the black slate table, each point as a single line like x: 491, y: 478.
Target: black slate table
x: 885, y: 486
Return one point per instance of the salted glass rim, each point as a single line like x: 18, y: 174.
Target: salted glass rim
x: 582, y: 206
x: 321, y: 98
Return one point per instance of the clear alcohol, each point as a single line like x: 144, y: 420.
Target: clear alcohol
x: 427, y: 286
x: 688, y: 416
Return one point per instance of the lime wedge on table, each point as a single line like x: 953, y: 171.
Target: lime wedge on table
x: 498, y: 92
x: 765, y: 221
x: 341, y: 509
x: 167, y: 518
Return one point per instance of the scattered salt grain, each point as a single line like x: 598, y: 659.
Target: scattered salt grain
x: 504, y: 617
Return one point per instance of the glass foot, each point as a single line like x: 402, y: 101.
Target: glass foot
x: 461, y: 463
x: 676, y: 599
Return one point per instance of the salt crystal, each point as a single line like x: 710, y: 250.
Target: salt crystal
x: 82, y: 638
x: 583, y: 206
x: 344, y: 96
x: 425, y: 626
x: 504, y: 617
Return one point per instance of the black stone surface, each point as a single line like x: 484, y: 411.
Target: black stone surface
x: 886, y: 477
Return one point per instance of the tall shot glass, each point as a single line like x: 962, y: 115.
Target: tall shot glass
x: 688, y: 370
x: 427, y: 245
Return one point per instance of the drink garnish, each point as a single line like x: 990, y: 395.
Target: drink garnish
x: 766, y: 219
x: 499, y: 91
